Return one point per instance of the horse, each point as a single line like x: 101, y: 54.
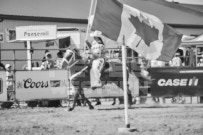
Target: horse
x: 80, y: 70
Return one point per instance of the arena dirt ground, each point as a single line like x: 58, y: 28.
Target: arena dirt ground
x: 173, y: 119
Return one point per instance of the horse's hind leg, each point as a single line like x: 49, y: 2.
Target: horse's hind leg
x: 86, y: 101
x: 130, y: 99
x: 76, y: 97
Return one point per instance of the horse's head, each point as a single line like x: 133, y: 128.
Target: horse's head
x: 68, y: 55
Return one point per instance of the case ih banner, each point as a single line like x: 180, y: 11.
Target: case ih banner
x: 177, y: 81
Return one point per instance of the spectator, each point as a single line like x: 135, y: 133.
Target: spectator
x: 48, y: 63
x: 176, y: 61
x: 181, y: 53
x: 200, y: 63
x: 9, y: 82
x: 2, y: 67
x: 44, y: 58
x: 192, y: 57
x: 187, y: 56
x: 59, y: 60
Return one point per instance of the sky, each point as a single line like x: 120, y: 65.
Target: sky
x: 196, y: 2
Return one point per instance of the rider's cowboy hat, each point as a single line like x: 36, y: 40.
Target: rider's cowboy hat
x: 95, y: 33
x: 98, y: 40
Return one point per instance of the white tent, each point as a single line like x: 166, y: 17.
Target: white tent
x: 190, y: 41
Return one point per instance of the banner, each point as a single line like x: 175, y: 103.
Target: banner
x: 51, y: 84
x: 31, y: 33
x: 3, y: 87
x: 174, y: 81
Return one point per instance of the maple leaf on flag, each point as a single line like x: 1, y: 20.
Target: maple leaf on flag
x: 144, y: 30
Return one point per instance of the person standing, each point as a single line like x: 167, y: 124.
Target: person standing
x: 59, y: 60
x: 192, y: 56
x: 176, y: 61
x: 48, y: 63
x: 9, y: 81
x: 2, y: 67
x: 200, y: 63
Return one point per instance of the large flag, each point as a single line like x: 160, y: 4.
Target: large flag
x: 144, y: 33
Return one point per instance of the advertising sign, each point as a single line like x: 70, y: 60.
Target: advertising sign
x: 3, y: 89
x: 51, y: 84
x: 172, y: 81
x: 32, y: 33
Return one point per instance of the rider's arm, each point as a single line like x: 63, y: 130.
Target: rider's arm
x: 88, y: 44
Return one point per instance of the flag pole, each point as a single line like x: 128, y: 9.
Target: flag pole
x: 91, y: 12
x: 125, y: 83
x: 127, y: 128
x: 29, y: 57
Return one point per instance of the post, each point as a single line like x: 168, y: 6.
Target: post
x: 14, y: 73
x: 0, y: 51
x: 127, y: 128
x: 92, y: 9
x: 125, y: 82
x: 69, y: 84
x: 29, y: 64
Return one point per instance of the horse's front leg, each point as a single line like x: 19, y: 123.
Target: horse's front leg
x: 74, y: 100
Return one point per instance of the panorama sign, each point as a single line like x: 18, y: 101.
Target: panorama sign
x: 33, y: 33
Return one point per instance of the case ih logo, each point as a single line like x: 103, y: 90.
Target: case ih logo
x: 178, y: 82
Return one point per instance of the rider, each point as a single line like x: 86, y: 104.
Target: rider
x: 98, y: 61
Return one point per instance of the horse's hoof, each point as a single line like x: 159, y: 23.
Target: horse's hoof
x: 98, y: 103
x: 91, y: 107
x: 93, y: 88
x: 70, y: 109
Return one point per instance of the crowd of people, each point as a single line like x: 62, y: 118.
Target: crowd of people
x: 48, y: 62
x: 183, y: 57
